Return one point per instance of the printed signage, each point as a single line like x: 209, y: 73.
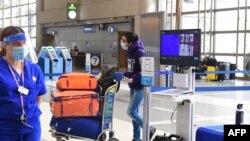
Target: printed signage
x: 89, y: 29
x: 95, y: 61
x: 87, y: 63
x: 147, y: 73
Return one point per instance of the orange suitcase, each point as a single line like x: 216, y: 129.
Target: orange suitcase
x: 74, y: 103
x: 76, y: 81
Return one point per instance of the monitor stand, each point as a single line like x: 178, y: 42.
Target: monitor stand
x: 185, y: 108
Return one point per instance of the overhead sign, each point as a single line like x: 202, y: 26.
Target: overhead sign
x: 110, y: 29
x: 72, y: 11
x: 89, y: 28
x: 71, y: 6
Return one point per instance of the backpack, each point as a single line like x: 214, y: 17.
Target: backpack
x: 107, y: 78
x: 211, y: 62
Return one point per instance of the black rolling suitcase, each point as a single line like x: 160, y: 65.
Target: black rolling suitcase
x: 223, y: 66
x: 198, y: 76
x: 232, y: 68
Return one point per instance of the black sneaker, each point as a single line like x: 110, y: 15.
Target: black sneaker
x: 152, y: 134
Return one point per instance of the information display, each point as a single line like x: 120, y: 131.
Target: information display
x: 180, y: 47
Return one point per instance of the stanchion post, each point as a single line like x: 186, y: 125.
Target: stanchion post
x: 146, y: 113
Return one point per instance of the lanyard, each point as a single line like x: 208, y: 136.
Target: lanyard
x: 22, y: 77
x: 23, y: 116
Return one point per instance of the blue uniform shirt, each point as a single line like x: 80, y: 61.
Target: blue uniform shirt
x: 10, y: 105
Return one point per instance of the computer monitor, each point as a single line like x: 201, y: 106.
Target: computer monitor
x: 180, y: 47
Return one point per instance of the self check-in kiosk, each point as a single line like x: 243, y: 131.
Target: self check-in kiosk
x: 54, y: 68
x: 56, y: 63
x: 44, y: 62
x: 67, y: 60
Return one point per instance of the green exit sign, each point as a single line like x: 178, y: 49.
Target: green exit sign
x: 72, y: 11
x: 71, y: 6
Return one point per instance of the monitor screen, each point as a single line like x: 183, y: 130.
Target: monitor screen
x: 180, y: 47
x: 53, y: 54
x: 66, y: 54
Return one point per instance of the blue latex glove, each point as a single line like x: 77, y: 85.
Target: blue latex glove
x: 118, y: 76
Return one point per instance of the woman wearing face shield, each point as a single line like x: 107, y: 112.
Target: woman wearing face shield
x: 21, y: 89
x: 135, y: 50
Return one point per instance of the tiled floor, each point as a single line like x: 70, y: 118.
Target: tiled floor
x: 211, y: 108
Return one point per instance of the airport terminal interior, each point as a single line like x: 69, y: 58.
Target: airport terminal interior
x: 195, y: 74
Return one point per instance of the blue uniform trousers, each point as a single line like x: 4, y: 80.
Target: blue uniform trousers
x: 31, y: 136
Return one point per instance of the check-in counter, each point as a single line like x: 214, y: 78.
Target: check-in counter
x: 78, y: 61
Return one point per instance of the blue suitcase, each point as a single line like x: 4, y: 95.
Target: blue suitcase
x: 86, y: 127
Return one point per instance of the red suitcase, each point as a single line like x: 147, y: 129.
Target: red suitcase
x: 74, y: 104
x: 76, y: 81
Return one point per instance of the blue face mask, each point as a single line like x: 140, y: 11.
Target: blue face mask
x: 19, y: 53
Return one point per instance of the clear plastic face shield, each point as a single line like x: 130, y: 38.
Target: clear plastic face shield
x: 22, y: 47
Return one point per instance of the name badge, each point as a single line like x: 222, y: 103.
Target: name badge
x: 23, y: 90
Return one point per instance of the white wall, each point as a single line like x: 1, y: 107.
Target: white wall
x: 55, y: 10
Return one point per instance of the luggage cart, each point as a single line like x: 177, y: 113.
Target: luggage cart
x: 106, y: 120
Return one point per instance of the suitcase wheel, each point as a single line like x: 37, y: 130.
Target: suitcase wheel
x: 102, y: 137
x: 111, y: 134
